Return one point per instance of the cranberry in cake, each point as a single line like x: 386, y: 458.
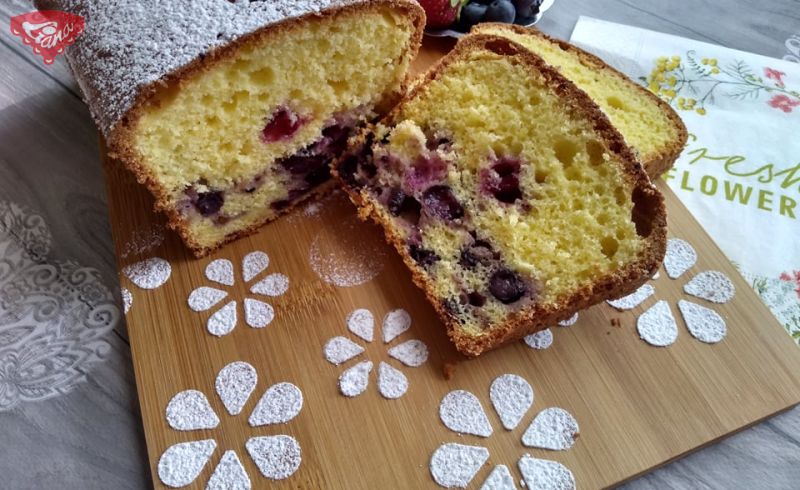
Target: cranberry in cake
x: 508, y: 194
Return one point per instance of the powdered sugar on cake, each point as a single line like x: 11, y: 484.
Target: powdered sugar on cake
x: 129, y: 45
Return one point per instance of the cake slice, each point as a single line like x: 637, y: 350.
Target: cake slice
x: 649, y: 125
x: 509, y: 195
x: 230, y: 112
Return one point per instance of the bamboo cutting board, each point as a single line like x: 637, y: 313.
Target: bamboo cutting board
x: 638, y: 406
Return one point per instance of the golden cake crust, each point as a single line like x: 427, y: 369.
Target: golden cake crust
x: 655, y: 165
x: 650, y: 210
x: 120, y: 136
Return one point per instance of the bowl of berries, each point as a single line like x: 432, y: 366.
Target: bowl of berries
x: 454, y: 18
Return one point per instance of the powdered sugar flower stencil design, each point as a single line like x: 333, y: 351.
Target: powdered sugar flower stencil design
x: 455, y: 465
x: 277, y: 457
x: 54, y: 315
x: 657, y: 325
x: 392, y: 383
x: 257, y: 313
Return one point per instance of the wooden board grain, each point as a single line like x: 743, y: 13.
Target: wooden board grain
x: 638, y: 406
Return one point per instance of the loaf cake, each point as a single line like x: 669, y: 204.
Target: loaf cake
x: 508, y: 193
x: 230, y: 111
x: 650, y: 126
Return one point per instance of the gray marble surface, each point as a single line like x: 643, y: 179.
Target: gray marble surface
x: 91, y: 436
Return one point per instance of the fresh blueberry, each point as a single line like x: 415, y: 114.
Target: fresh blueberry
x: 500, y: 11
x: 471, y: 14
x: 440, y: 201
x: 507, y: 286
x: 524, y: 21
x: 423, y: 256
x: 208, y: 203
x: 527, y: 10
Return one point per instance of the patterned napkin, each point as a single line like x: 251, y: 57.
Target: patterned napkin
x: 740, y: 172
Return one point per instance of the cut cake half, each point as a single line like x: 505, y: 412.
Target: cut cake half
x: 230, y: 112
x: 650, y: 126
x: 508, y: 193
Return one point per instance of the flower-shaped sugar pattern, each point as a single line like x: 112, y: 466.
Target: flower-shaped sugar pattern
x: 455, y: 465
x: 257, y: 313
x: 150, y: 273
x: 657, y: 325
x: 543, y: 339
x: 147, y: 274
x: 277, y: 457
x: 392, y: 383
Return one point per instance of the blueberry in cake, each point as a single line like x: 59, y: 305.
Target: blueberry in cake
x: 650, y: 126
x: 508, y: 194
x: 230, y: 111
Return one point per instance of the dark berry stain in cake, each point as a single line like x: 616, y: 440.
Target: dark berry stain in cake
x: 439, y: 201
x: 441, y: 143
x: 479, y: 252
x: 301, y: 163
x: 405, y: 206
x: 208, y: 203
x: 310, y: 167
x: 252, y: 185
x: 507, y: 286
x: 453, y: 308
x: 282, y: 125
x: 347, y: 170
x: 319, y: 175
x: 501, y: 180
x: 357, y: 168
x: 294, y: 195
x: 476, y: 299
x: 423, y: 256
x: 425, y: 171
x: 397, y: 199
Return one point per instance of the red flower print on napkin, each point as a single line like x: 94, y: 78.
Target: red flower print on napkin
x: 792, y: 277
x: 783, y: 102
x: 776, y: 75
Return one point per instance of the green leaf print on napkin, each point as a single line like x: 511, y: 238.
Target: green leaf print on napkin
x: 690, y: 84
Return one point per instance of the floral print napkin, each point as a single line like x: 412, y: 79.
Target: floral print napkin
x: 740, y: 171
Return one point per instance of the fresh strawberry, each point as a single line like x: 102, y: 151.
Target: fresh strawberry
x: 441, y: 13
